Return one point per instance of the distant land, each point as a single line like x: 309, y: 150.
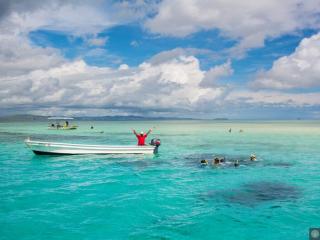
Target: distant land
x: 29, y: 117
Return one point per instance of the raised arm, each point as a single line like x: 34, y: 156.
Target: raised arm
x: 150, y: 130
x: 134, y: 132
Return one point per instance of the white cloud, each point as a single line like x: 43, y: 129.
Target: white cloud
x: 173, y: 83
x: 301, y: 69
x: 77, y: 19
x: 215, y: 73
x: 18, y: 56
x: 123, y: 67
x: 249, y: 21
x: 99, y: 54
x: 134, y: 43
x: 60, y: 111
x: 97, y: 41
x: 37, y: 78
x: 176, y: 52
x: 273, y: 98
x: 72, y: 17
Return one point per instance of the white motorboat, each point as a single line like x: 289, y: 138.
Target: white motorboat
x: 55, y: 148
x: 59, y: 126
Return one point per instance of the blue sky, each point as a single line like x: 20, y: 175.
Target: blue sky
x: 132, y: 45
x: 161, y: 58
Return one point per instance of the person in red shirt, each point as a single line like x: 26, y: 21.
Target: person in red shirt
x: 141, y: 137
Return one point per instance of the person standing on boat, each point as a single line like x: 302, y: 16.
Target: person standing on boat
x: 141, y: 137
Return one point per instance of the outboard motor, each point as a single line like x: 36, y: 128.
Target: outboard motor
x: 155, y: 142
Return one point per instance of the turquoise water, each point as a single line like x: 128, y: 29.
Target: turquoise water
x: 168, y: 196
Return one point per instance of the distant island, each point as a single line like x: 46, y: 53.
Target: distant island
x: 221, y: 119
x: 30, y: 117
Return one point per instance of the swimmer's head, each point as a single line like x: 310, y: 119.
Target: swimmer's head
x: 236, y: 163
x: 253, y: 157
x: 216, y: 161
x: 204, y: 162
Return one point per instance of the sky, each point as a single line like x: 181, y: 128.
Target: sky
x: 171, y: 58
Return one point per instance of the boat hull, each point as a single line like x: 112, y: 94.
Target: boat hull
x: 63, y: 128
x: 54, y: 148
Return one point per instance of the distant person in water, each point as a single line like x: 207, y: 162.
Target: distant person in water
x: 66, y: 124
x: 204, y: 162
x: 216, y: 161
x: 236, y: 163
x: 142, y: 137
x: 91, y: 127
x: 253, y: 157
x: 230, y: 130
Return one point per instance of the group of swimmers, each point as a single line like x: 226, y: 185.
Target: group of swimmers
x: 218, y: 161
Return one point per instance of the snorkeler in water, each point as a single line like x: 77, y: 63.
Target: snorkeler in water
x: 236, y: 163
x: 253, y: 157
x: 216, y: 161
x: 203, y: 162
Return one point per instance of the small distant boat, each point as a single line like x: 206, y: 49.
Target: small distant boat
x: 56, y: 148
x: 58, y: 126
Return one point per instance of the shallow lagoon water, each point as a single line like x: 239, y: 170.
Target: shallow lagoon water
x: 167, y: 196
